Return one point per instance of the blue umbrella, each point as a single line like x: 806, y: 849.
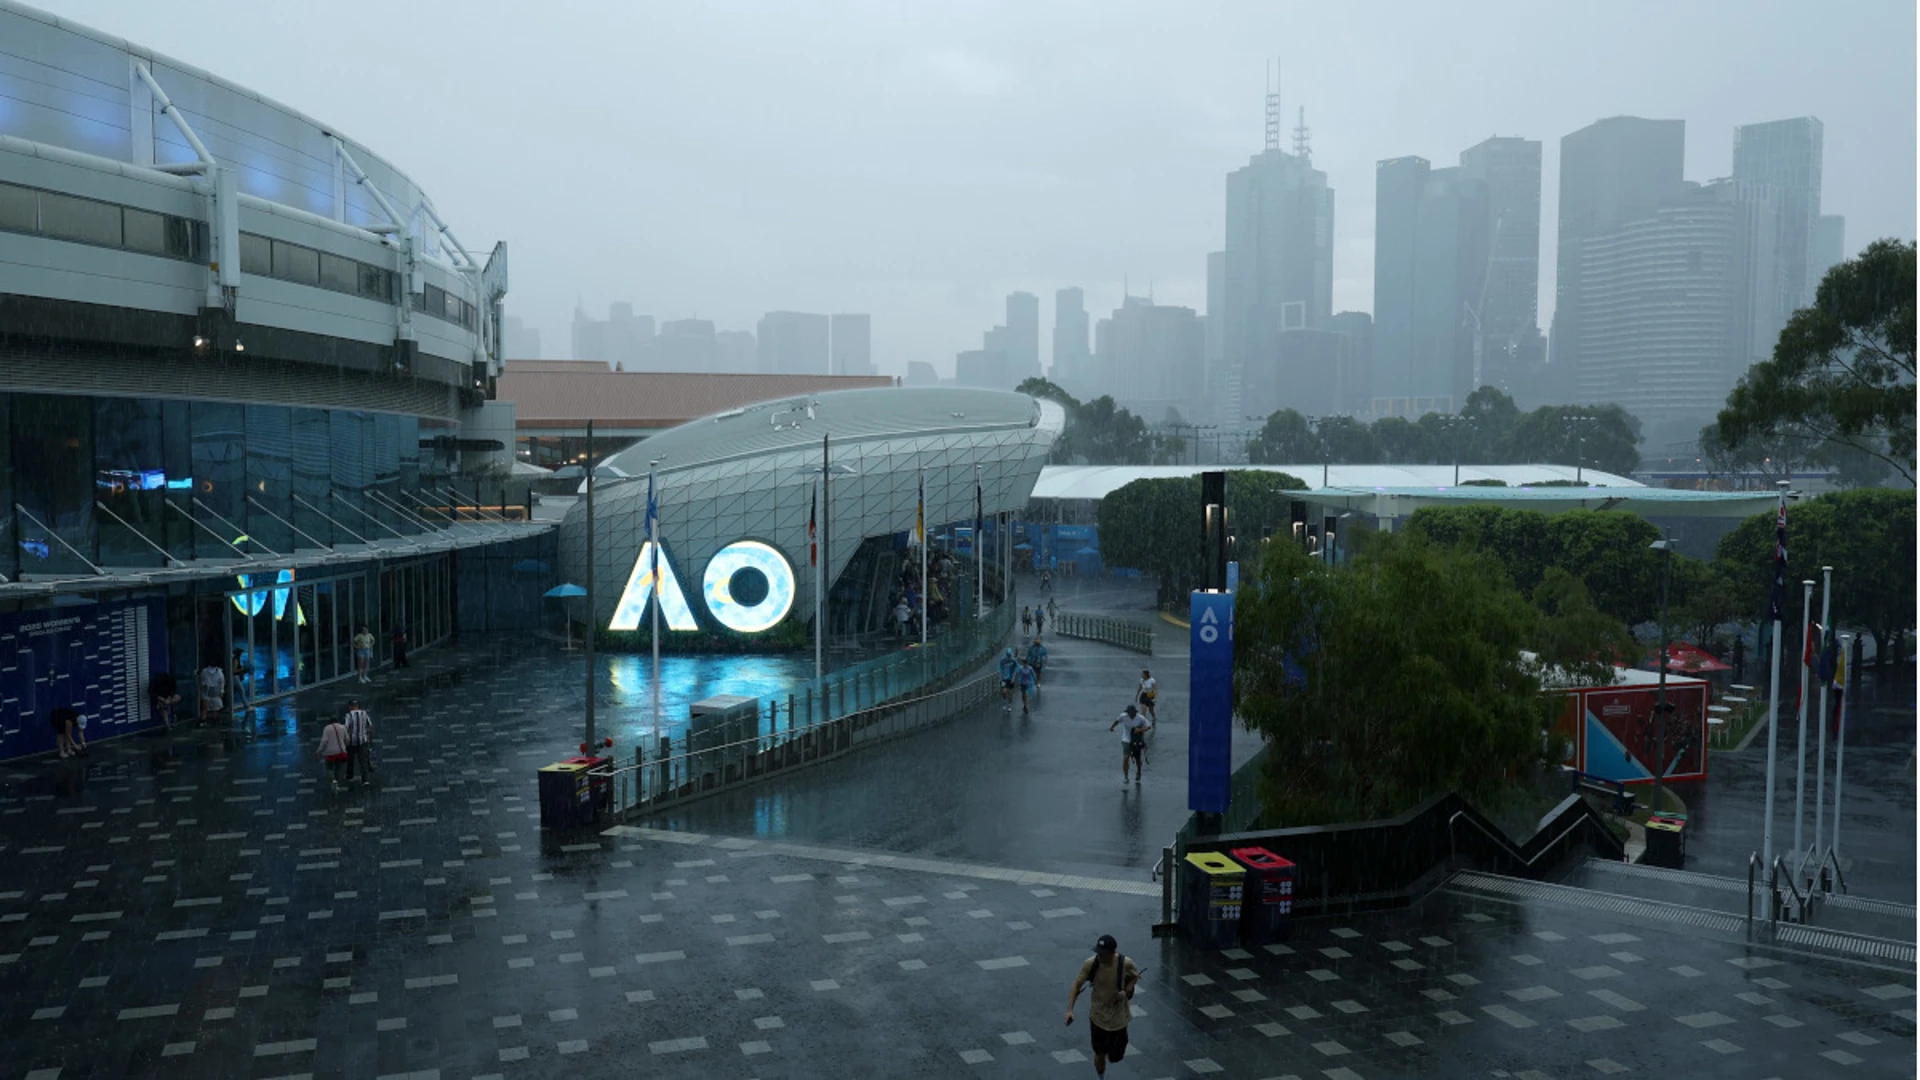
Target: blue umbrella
x: 564, y: 591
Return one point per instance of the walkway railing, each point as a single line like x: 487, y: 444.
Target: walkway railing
x: 647, y: 785
x: 1110, y: 629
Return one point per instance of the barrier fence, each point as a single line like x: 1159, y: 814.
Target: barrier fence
x: 1109, y: 629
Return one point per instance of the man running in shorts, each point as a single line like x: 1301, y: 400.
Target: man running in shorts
x: 1037, y: 659
x: 1133, y: 742
x: 1113, y: 978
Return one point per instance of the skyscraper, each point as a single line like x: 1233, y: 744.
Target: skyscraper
x: 852, y: 344
x: 624, y: 340
x: 1148, y: 356
x: 1611, y: 172
x: 1023, y: 336
x: 1431, y: 229
x: 518, y: 341
x: 686, y: 345
x: 1786, y: 155
x: 1829, y: 248
x: 1278, y: 269
x: 792, y: 343
x: 1216, y: 334
x: 1070, y: 352
x: 1509, y: 315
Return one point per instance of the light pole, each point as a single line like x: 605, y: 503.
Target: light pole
x: 1578, y: 422
x: 1452, y: 425
x: 592, y: 618
x: 1664, y: 545
x: 1326, y: 457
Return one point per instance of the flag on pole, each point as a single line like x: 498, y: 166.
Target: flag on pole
x: 1829, y: 654
x: 1839, y: 687
x: 813, y: 544
x: 1809, y: 656
x: 1777, y: 604
x: 920, y: 515
x: 653, y: 519
x: 979, y: 512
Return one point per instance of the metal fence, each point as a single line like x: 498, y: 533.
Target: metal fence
x: 1125, y: 633
x: 647, y: 785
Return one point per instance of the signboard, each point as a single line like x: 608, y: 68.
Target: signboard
x: 93, y: 658
x: 1210, y: 712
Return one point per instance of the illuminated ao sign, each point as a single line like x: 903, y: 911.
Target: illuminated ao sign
x: 748, y: 588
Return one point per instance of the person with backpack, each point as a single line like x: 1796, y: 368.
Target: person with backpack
x: 1028, y: 689
x: 1037, y: 659
x: 359, y: 727
x: 1149, y: 691
x: 1113, y: 978
x: 1009, y: 672
x: 333, y: 751
x: 1133, y: 743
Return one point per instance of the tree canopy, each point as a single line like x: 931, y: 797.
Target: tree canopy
x: 1399, y: 675
x: 1606, y: 550
x: 1100, y: 432
x: 1843, y: 370
x: 1488, y: 429
x: 1153, y: 525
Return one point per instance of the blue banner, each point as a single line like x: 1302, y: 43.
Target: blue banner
x: 94, y: 658
x: 1210, y: 708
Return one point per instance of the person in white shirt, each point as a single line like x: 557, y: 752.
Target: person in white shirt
x: 213, y: 685
x: 1149, y: 689
x: 333, y: 750
x: 1133, y: 742
x: 359, y: 727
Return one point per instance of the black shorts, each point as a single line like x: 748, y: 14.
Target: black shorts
x: 1110, y: 1044
x: 1006, y: 684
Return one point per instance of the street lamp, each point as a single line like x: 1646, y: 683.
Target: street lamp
x: 1326, y: 455
x: 1451, y: 425
x: 1665, y: 546
x: 1578, y: 422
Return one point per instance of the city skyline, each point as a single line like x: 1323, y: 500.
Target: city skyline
x: 798, y: 165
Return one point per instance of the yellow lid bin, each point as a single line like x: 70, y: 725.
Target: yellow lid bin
x: 1211, y: 908
x: 1215, y: 864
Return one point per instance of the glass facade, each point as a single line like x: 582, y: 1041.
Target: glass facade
x: 129, y: 482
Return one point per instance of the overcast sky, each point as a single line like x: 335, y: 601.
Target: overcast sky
x: 918, y: 161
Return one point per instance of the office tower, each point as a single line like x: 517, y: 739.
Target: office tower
x: 921, y: 373
x: 1149, y: 355
x: 686, y: 345
x: 518, y: 341
x: 624, y: 340
x: 1611, y: 172
x: 1278, y: 265
x: 1786, y: 155
x: 1302, y: 370
x: 984, y: 368
x: 735, y: 352
x: 792, y: 343
x: 1070, y: 352
x: 1354, y: 389
x: 852, y: 344
x: 1678, y: 303
x: 1829, y: 249
x: 1431, y: 233
x: 1213, y: 408
x: 1023, y: 336
x: 1509, y: 311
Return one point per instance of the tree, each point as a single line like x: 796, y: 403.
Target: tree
x: 1394, y: 677
x: 1401, y: 441
x: 1604, y: 437
x: 1704, y: 599
x: 1153, y: 525
x: 1285, y: 439
x: 1843, y: 369
x: 1100, y: 432
x: 1607, y: 550
x: 1867, y: 536
x: 1492, y: 416
x: 1346, y: 441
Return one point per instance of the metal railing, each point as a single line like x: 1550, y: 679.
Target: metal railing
x: 646, y: 784
x: 1109, y: 629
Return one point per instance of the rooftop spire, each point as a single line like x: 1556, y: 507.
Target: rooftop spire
x: 1302, y: 136
x: 1273, y: 105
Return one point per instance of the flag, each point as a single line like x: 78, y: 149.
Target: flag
x: 1777, y: 604
x: 979, y: 512
x: 920, y: 516
x: 653, y: 528
x: 1839, y: 687
x: 1829, y: 654
x: 813, y: 545
x: 1808, y: 658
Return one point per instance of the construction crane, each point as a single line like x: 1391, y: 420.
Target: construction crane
x: 1474, y: 310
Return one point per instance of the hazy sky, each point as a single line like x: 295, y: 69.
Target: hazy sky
x: 918, y: 161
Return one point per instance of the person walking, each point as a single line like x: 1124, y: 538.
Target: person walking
x: 363, y: 653
x: 1039, y: 621
x: 359, y: 727
x: 333, y: 751
x: 1037, y: 659
x: 1133, y: 742
x: 1053, y: 611
x: 1026, y: 621
x: 400, y: 645
x: 1009, y: 671
x: 902, y: 617
x: 213, y: 684
x: 1027, y: 682
x: 163, y: 691
x: 1113, y: 978
x: 1149, y: 690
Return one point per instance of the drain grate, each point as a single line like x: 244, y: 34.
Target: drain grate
x: 1660, y: 873
x: 1588, y: 898
x: 1861, y: 903
x: 1840, y: 941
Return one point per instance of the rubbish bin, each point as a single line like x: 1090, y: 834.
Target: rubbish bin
x: 601, y: 784
x: 1210, y: 908
x: 1666, y: 842
x: 1267, y: 913
x: 566, y: 795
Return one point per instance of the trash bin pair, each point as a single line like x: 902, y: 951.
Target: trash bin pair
x: 1242, y: 897
x: 570, y: 796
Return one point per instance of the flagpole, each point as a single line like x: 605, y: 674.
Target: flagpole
x: 592, y: 618
x: 813, y: 554
x: 979, y: 555
x: 653, y: 545
x: 1820, y: 721
x: 1773, y: 687
x: 1840, y: 753
x: 921, y: 518
x: 1800, y: 767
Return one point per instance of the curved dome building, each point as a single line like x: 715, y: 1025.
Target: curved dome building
x: 736, y: 492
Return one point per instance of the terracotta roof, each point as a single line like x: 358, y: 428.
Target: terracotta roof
x: 549, y: 366
x: 549, y: 396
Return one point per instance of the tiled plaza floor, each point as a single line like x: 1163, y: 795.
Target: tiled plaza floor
x: 203, y: 907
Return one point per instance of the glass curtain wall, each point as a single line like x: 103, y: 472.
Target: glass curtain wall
x: 53, y: 483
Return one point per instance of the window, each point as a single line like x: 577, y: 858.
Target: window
x: 184, y: 238
x: 19, y: 208
x: 296, y: 263
x: 85, y: 220
x: 256, y: 255
x: 338, y: 273
x: 434, y: 301
x: 376, y: 283
x: 145, y: 230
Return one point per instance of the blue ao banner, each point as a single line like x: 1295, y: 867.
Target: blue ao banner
x: 94, y: 658
x: 1210, y: 712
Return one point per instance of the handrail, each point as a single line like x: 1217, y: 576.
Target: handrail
x: 1800, y: 902
x: 1753, y: 867
x: 1110, y: 629
x: 1832, y: 858
x: 1512, y: 852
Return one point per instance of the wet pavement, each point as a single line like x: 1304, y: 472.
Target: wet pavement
x: 202, y: 906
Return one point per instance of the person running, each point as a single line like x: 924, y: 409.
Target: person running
x: 1149, y: 690
x: 1046, y: 581
x: 1026, y: 679
x: 333, y: 751
x: 1037, y: 659
x: 1114, y: 979
x: 1133, y: 742
x: 164, y: 692
x: 363, y: 653
x: 1026, y: 621
x: 1008, y: 670
x: 359, y: 727
x: 213, y: 685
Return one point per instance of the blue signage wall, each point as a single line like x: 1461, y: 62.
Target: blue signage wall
x: 94, y: 658
x: 1210, y: 708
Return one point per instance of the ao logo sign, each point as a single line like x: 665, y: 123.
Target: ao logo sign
x: 748, y: 588
x: 1209, y: 627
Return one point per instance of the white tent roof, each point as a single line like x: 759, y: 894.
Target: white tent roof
x: 1098, y: 481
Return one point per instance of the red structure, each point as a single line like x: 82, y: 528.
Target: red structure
x: 1613, y: 732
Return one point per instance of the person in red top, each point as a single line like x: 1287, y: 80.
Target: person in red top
x: 333, y: 750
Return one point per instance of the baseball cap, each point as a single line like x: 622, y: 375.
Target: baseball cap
x: 1106, y: 944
